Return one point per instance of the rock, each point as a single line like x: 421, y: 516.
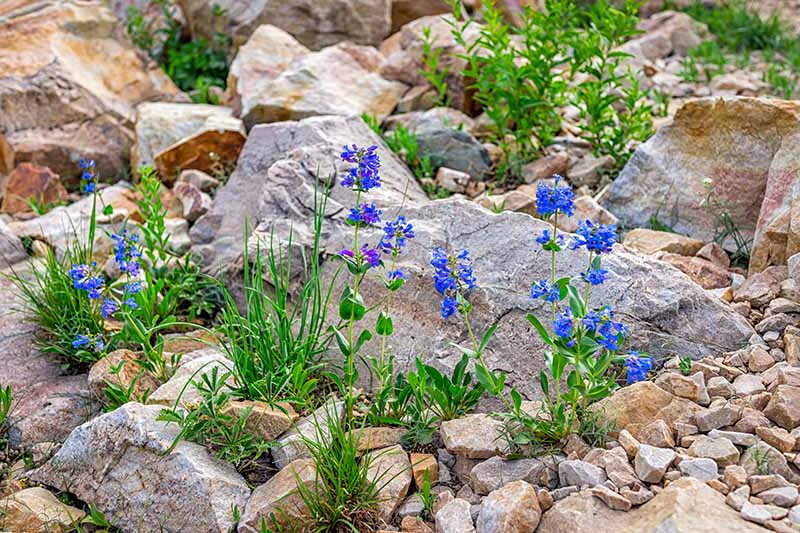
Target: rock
x: 405, y: 11
x: 70, y: 81
x: 421, y: 464
x: 454, y: 149
x: 11, y: 249
x: 674, y: 509
x: 748, y: 384
x: 735, y: 476
x: 651, y: 463
x: 180, y: 389
x: 195, y: 202
x: 117, y: 462
x: 650, y: 241
x: 263, y: 421
x: 390, y: 470
x: 703, y: 469
x: 545, y: 167
x: 278, y: 498
x: 637, y: 405
x: 666, y: 33
x: 714, y: 253
x: 721, y: 450
x: 413, y: 506
x: 736, y: 437
x: 162, y: 126
x: 474, y: 436
x: 454, y: 517
x: 780, y: 496
x: 587, y: 171
x: 60, y: 226
x: 313, y: 83
x: 129, y: 371
x: 36, y: 509
x: 764, y: 459
x: 761, y: 483
x: 374, y: 438
x: 720, y: 387
x: 496, y: 472
x: 618, y: 469
x: 784, y: 407
x: 760, y: 288
x: 704, y: 273
x: 669, y: 169
x: 628, y: 443
x: 403, y: 52
x: 451, y: 180
x: 717, y: 417
x: 511, y: 509
x: 777, y: 437
x: 31, y: 183
x: 314, y: 23
x: 199, y: 179
x: 657, y: 433
x: 611, y: 498
x: 580, y: 474
x: 431, y: 119
x: 679, y: 385
x: 756, y: 513
x: 291, y: 446
x: 586, y: 207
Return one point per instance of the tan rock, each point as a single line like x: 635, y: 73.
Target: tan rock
x: 405, y: 11
x: 422, y: 463
x: 31, y: 183
x: 657, y: 433
x: 720, y: 450
x: 713, y: 252
x: 120, y: 368
x: 70, y: 81
x: 390, y: 469
x: 37, y: 510
x: 279, y: 498
x: 263, y: 421
x: 650, y: 241
x: 586, y: 208
x: 784, y: 407
x: 511, y: 509
x: 703, y: 272
x: 373, y: 438
x: 474, y: 436
x: 777, y: 437
x: 611, y: 498
x: 546, y: 167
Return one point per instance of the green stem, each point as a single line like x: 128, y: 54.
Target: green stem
x: 479, y: 354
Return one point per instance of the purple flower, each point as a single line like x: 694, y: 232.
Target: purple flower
x: 126, y: 253
x: 371, y: 256
x: 610, y: 332
x: 85, y: 279
x: 88, y: 176
x: 397, y: 274
x: 134, y: 287
x: 449, y: 307
x: 364, y: 176
x: 110, y: 306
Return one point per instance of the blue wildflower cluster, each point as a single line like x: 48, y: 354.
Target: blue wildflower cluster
x: 364, y: 215
x: 596, y: 238
x: 364, y: 176
x: 370, y: 256
x: 85, y: 278
x: 126, y: 252
x: 555, y: 199
x: 453, y: 279
x: 89, y: 342
x: 395, y: 235
x: 611, y: 332
x: 637, y: 367
x: 88, y: 176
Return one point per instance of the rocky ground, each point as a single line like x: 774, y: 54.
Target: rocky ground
x: 710, y: 442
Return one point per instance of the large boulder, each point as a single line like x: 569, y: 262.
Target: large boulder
x: 121, y: 462
x: 274, y: 184
x: 746, y: 147
x: 275, y: 78
x: 315, y: 23
x: 684, y: 506
x: 69, y: 82
x: 405, y: 11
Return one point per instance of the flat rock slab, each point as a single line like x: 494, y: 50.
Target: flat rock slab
x: 117, y: 462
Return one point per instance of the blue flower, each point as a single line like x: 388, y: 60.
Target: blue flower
x: 369, y: 255
x: 542, y: 288
x: 546, y: 238
x: 555, y: 199
x: 395, y: 235
x: 562, y: 325
x: 89, y: 187
x: 89, y: 342
x: 126, y: 253
x: 85, y: 279
x: 88, y: 177
x: 453, y: 276
x: 637, y: 367
x: 611, y: 332
x: 364, y: 215
x: 110, y: 306
x: 598, y: 238
x: 397, y: 274
x: 364, y: 176
x: 594, y: 276
x: 134, y: 287
x: 131, y: 303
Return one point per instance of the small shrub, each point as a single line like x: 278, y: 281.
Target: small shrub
x: 727, y: 231
x: 595, y: 427
x: 433, y: 70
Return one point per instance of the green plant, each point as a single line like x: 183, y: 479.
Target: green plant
x: 404, y: 143
x: 153, y: 228
x: 685, y: 365
x: 5, y: 409
x: 421, y: 420
x: 214, y: 426
x: 689, y: 70
x: 784, y: 83
x: 739, y: 27
x: 39, y: 206
x: 433, y: 70
x: 60, y: 311
x: 425, y: 495
x: 391, y: 396
x: 195, y: 65
x: 515, y: 82
x: 117, y: 395
x: 595, y: 427
x: 613, y: 108
x: 662, y: 99
x: 710, y: 56
x: 277, y: 343
x: 454, y: 396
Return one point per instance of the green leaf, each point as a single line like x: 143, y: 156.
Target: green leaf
x: 540, y: 329
x: 486, y: 337
x: 108, y: 210
x: 350, y: 307
x: 575, y: 302
x: 384, y: 326
x: 344, y: 344
x: 544, y: 383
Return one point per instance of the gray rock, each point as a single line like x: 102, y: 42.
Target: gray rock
x: 781, y: 496
x: 279, y: 497
x: 651, y: 463
x: 764, y: 459
x: 720, y: 450
x: 454, y: 149
x: 455, y: 517
x: 756, y: 513
x: 580, y: 473
x: 180, y: 388
x: 11, y: 249
x: 117, y: 462
x: 475, y: 436
x: 390, y: 469
x: 702, y: 469
x: 496, y: 472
